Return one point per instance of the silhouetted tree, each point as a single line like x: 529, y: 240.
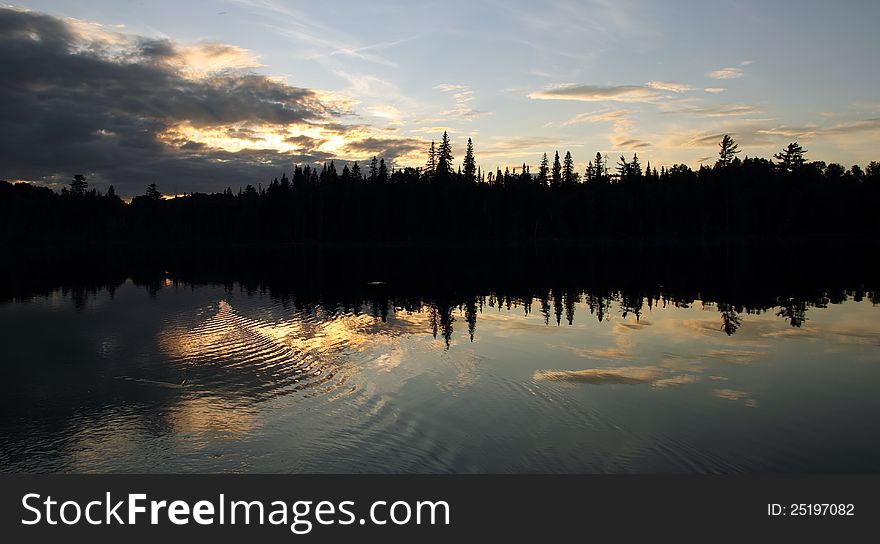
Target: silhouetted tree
x: 543, y: 170
x: 374, y: 169
x: 431, y: 164
x: 791, y: 158
x: 569, y: 176
x: 470, y: 165
x: 728, y: 152
x: 557, y: 171
x: 79, y: 185
x: 444, y: 157
x: 382, y: 174
x: 154, y: 194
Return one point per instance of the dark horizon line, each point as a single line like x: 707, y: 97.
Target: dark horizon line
x: 793, y: 152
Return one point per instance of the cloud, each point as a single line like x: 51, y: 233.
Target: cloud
x: 388, y: 148
x: 598, y: 116
x: 720, y: 110
x: 670, y: 86
x: 866, y: 125
x: 462, y: 95
x: 727, y: 73
x: 623, y: 143
x: 596, y: 93
x: 623, y: 127
x: 714, y: 89
x: 755, y: 133
x: 129, y: 110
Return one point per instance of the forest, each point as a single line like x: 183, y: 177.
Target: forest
x: 745, y: 199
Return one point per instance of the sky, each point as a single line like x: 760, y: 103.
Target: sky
x: 201, y: 95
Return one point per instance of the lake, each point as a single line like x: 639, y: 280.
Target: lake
x: 378, y: 371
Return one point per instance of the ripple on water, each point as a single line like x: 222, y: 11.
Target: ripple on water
x: 257, y: 359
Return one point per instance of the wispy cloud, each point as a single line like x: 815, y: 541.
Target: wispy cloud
x: 719, y: 110
x: 325, y: 40
x: 462, y: 95
x: 866, y: 125
x: 597, y: 93
x: 598, y: 116
x: 670, y: 86
x: 714, y: 89
x: 727, y: 73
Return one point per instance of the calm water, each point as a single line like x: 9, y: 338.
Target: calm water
x: 176, y: 377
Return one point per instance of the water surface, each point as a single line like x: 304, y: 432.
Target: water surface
x: 184, y: 377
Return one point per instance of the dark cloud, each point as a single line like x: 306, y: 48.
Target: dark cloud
x: 389, y: 148
x: 98, y: 105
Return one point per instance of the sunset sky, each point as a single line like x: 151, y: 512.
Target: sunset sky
x: 201, y: 95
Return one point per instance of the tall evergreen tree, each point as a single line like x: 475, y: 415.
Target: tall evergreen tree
x: 470, y: 165
x: 431, y: 164
x: 556, y: 178
x: 383, y: 171
x: 568, y: 173
x: 635, y: 167
x: 728, y: 152
x: 79, y: 185
x: 374, y: 169
x: 444, y: 157
x: 543, y: 170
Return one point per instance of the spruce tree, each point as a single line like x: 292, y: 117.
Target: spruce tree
x: 444, y: 157
x: 557, y: 171
x: 470, y: 165
x: 383, y: 171
x: 544, y: 170
x: 431, y: 165
x: 568, y: 173
x: 79, y: 185
x: 374, y: 169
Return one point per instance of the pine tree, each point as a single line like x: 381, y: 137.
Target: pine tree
x: 374, y: 169
x: 79, y: 185
x: 568, y: 173
x: 557, y: 171
x: 729, y: 149
x: 383, y: 171
x: 153, y: 193
x: 444, y: 157
x: 791, y: 158
x: 635, y: 167
x: 431, y: 165
x: 623, y: 169
x: 544, y: 170
x: 470, y: 166
x: 356, y: 171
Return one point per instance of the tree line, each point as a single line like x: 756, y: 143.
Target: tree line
x: 746, y: 198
